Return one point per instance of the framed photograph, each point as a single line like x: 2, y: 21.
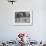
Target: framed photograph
x: 23, y: 17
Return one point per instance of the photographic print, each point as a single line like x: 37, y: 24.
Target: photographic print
x: 23, y: 18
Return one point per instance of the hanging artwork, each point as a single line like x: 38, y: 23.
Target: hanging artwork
x: 23, y: 17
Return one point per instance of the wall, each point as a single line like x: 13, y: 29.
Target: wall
x: 9, y: 31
